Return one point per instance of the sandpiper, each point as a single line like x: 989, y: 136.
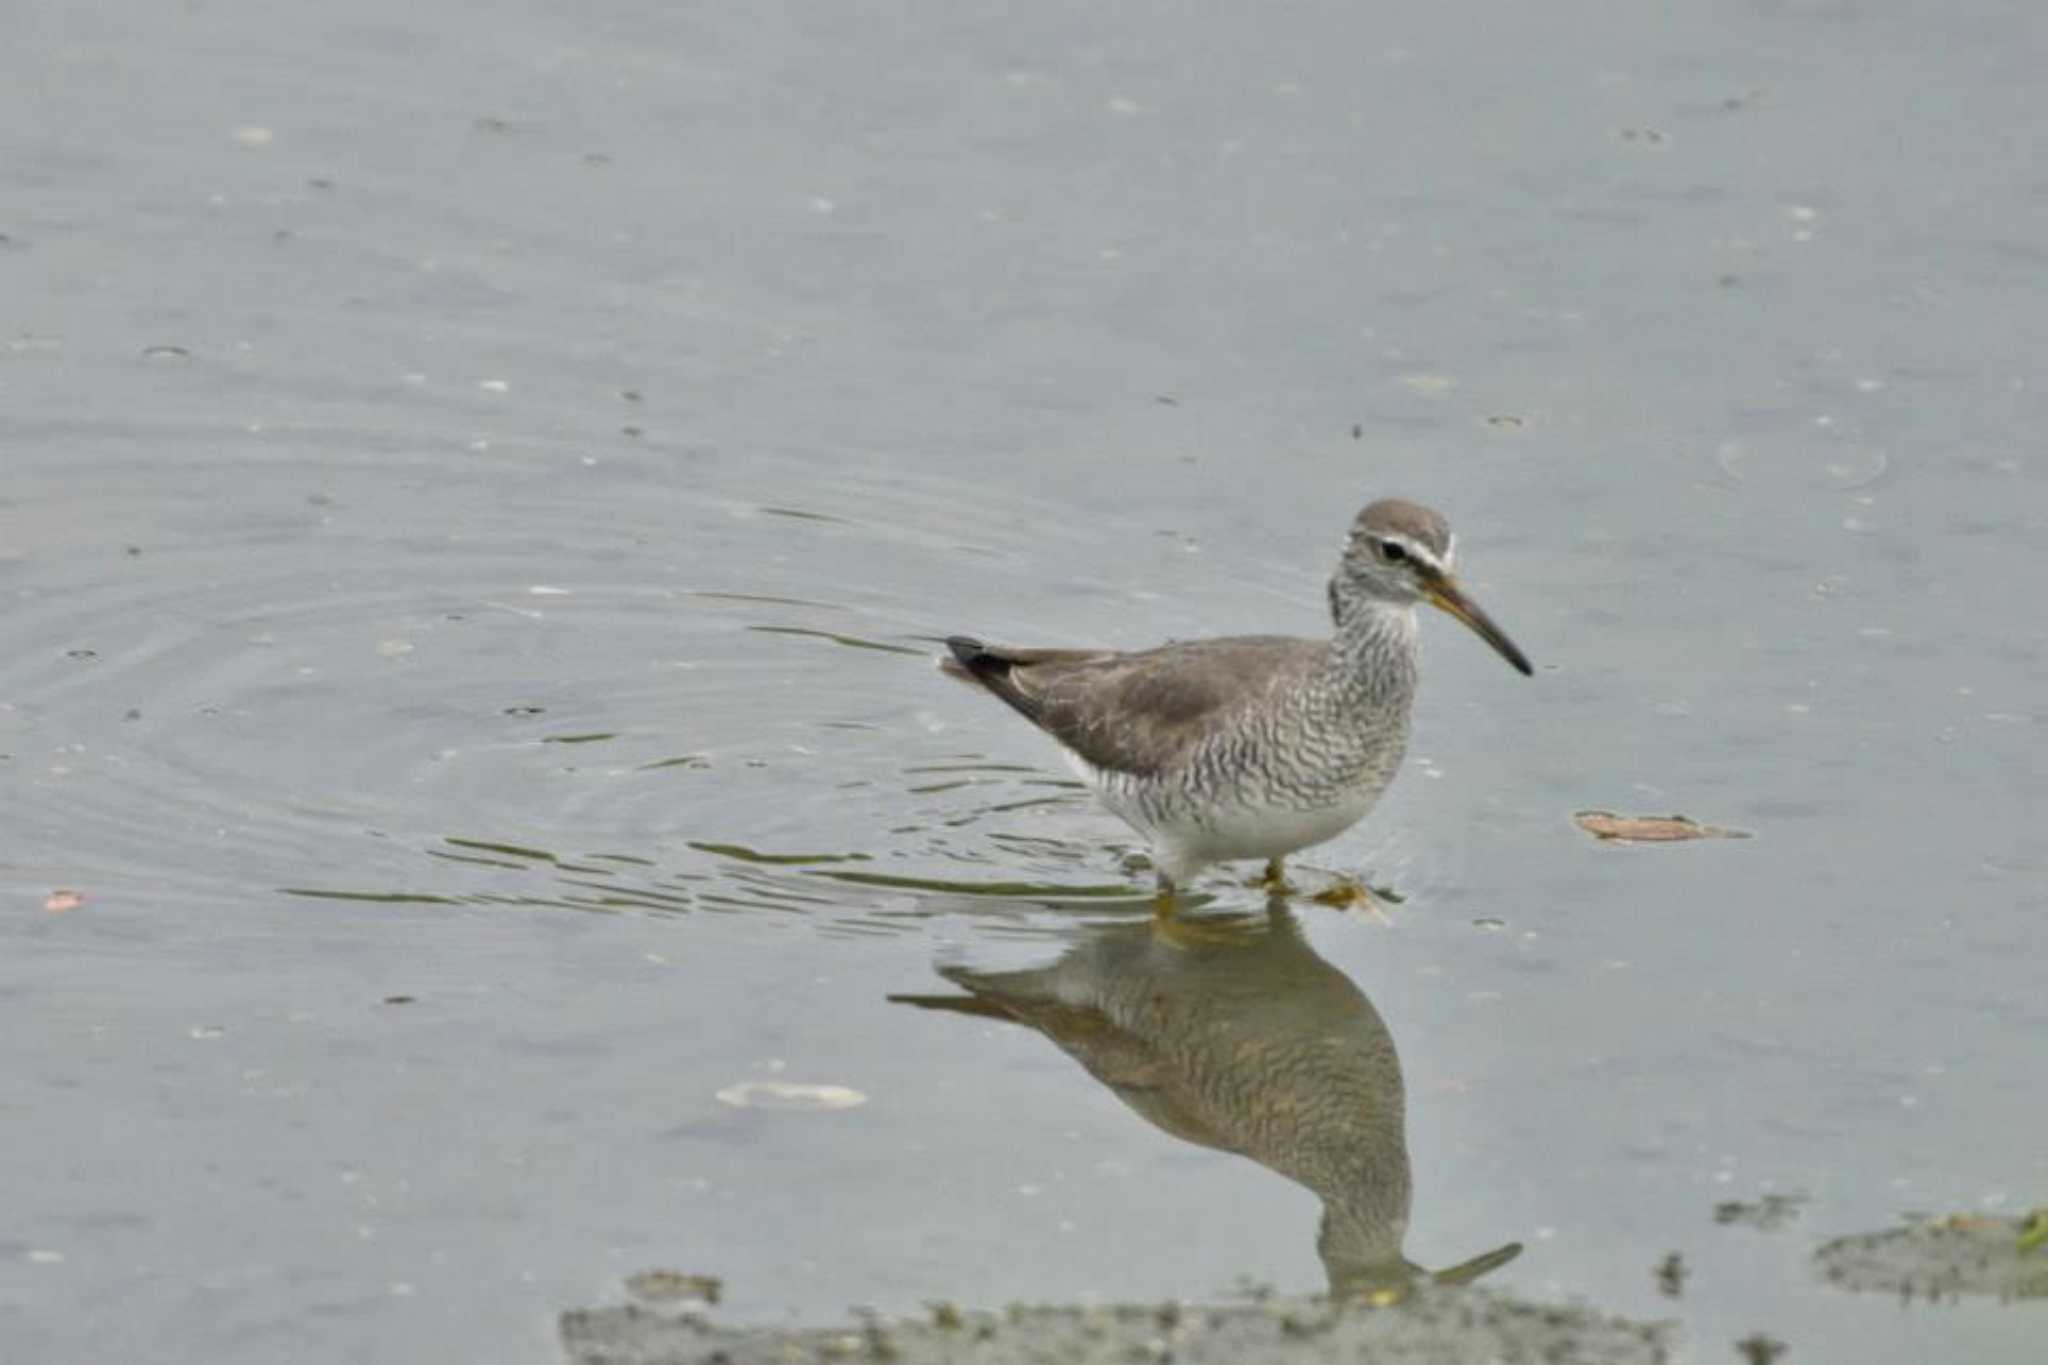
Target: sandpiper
x: 1250, y: 746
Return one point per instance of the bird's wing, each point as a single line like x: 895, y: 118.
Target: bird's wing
x: 1139, y: 713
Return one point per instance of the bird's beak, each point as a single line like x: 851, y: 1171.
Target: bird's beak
x: 1445, y: 593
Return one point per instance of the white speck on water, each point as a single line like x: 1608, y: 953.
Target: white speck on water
x: 1029, y: 1191
x: 543, y: 590
x: 1869, y: 385
x: 252, y: 136
x: 394, y: 649
x: 207, y: 1032
x: 1801, y: 213
x: 821, y: 205
x: 1121, y: 104
x: 44, y: 1256
x: 494, y: 385
x: 790, y: 1095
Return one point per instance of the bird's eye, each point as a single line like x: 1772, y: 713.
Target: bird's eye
x: 1391, y: 551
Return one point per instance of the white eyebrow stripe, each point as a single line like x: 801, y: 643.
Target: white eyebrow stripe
x: 1415, y: 549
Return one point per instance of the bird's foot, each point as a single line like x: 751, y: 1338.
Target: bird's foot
x: 1352, y: 894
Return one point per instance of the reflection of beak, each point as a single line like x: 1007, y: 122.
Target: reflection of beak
x: 1445, y: 593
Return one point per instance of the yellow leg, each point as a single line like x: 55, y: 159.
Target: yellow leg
x: 1273, y: 880
x: 1162, y: 900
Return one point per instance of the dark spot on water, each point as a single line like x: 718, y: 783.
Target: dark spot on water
x: 1758, y: 1349
x: 1768, y: 1213
x: 1670, y: 1276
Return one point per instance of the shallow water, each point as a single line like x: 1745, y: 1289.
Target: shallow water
x: 479, y: 489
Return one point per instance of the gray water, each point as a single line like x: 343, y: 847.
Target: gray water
x: 477, y: 480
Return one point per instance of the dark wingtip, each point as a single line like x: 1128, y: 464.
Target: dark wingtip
x: 966, y: 649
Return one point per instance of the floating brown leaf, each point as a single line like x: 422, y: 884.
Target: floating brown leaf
x: 1606, y: 826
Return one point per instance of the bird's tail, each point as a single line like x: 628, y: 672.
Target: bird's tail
x: 972, y: 660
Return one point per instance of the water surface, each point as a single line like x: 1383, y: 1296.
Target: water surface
x: 480, y: 487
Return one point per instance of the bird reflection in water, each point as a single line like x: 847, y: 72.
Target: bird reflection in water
x: 1229, y: 1032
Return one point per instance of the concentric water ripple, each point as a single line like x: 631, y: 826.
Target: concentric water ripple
x: 614, y: 683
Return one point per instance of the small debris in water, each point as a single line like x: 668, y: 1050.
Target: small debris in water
x: 790, y: 1095
x: 62, y: 901
x: 1758, y: 1349
x: 1608, y: 827
x: 165, y: 353
x: 393, y: 649
x: 674, y: 1286
x: 1768, y: 1213
x: 1670, y: 1275
x: 399, y: 999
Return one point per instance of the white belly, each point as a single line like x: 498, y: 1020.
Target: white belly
x: 1185, y: 840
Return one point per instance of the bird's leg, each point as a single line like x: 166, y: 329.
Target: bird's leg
x: 1274, y: 879
x: 1162, y: 899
